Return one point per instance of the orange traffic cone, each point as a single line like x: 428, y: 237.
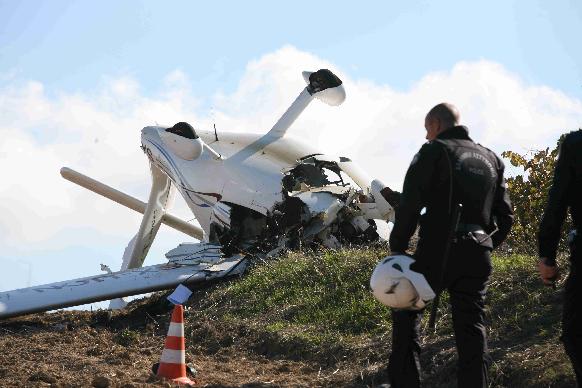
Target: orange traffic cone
x: 173, y: 361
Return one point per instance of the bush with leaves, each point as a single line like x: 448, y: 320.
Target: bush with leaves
x: 529, y: 195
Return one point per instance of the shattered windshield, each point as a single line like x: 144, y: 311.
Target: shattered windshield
x: 311, y: 172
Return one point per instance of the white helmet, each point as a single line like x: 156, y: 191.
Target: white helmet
x: 395, y: 285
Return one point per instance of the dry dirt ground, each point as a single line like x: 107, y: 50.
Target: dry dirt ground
x: 105, y: 349
x: 82, y: 348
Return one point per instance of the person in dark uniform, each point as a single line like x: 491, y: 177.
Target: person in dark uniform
x: 450, y: 169
x: 566, y: 192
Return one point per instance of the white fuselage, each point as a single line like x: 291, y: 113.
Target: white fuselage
x: 249, y: 174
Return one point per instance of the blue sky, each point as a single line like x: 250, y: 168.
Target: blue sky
x: 72, y: 45
x: 78, y: 80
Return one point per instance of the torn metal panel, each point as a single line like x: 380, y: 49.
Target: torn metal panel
x: 322, y: 204
x: 243, y: 229
x: 195, y: 253
x: 221, y: 213
x: 336, y: 190
x: 234, y: 265
x: 314, y: 172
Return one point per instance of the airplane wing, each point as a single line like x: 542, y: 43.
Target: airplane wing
x: 188, y: 264
x: 128, y: 201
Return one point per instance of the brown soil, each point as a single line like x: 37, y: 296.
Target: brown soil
x: 82, y: 348
x: 105, y: 349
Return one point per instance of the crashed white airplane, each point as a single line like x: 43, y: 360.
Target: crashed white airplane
x: 253, y: 196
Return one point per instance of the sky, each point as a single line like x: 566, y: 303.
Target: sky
x: 78, y: 81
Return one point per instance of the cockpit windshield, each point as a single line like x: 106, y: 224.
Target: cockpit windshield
x: 313, y: 172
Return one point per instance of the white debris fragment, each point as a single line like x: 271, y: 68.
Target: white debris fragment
x: 180, y: 295
x: 326, y: 204
x: 383, y: 229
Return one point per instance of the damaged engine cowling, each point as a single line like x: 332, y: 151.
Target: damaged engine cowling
x: 320, y: 205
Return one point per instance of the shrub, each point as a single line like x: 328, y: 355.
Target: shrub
x: 529, y: 195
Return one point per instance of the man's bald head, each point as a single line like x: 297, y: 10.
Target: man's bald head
x: 446, y: 113
x: 440, y: 118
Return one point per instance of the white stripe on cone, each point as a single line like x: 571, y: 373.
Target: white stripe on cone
x: 170, y: 356
x: 176, y: 330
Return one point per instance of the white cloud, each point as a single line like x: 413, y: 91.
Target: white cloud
x: 381, y: 128
x: 98, y: 134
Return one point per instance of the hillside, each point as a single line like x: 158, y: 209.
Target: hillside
x: 306, y: 319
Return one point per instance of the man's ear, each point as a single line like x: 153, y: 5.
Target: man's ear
x: 439, y: 125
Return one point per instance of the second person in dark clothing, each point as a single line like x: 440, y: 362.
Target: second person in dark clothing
x: 450, y: 169
x: 566, y: 192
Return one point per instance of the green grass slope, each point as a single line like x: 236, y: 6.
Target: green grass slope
x: 318, y: 307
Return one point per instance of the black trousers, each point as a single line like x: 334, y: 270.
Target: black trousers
x: 466, y: 279
x: 572, y: 316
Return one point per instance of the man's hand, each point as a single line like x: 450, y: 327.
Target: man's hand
x: 548, y: 273
x: 391, y: 196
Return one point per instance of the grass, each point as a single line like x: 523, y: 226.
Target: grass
x: 318, y: 305
x: 326, y: 294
